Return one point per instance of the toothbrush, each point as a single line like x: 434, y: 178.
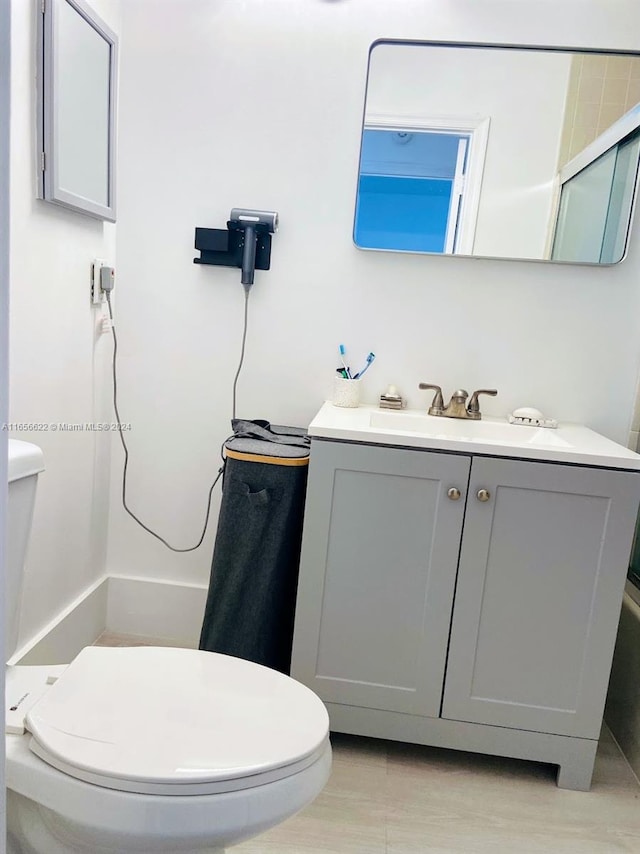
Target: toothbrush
x: 370, y: 359
x: 342, y: 355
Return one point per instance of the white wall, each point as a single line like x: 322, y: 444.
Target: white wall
x: 260, y: 103
x: 5, y: 98
x: 523, y: 93
x: 59, y: 368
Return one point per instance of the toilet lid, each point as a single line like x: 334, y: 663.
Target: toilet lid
x: 176, y: 721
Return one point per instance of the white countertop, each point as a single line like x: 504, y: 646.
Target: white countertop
x: 568, y: 443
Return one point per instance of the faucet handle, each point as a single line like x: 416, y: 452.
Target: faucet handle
x: 473, y: 410
x: 437, y: 405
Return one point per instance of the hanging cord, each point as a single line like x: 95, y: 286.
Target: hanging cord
x: 126, y: 450
x: 244, y: 340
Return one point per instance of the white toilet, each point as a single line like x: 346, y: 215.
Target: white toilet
x: 148, y: 749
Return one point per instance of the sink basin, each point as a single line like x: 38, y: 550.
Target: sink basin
x: 487, y: 431
x: 495, y: 437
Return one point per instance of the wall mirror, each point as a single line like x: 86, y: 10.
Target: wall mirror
x: 77, y: 81
x: 499, y: 152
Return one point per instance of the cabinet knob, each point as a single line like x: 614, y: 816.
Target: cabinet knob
x: 453, y: 493
x: 483, y: 495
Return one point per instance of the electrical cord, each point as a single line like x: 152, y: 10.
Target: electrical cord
x: 244, y: 339
x: 126, y: 449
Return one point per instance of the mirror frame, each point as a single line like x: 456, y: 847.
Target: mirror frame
x: 49, y: 187
x: 486, y: 45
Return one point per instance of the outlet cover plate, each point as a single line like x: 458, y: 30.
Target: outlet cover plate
x: 97, y: 296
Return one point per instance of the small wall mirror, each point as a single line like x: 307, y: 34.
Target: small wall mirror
x: 499, y: 152
x: 77, y: 82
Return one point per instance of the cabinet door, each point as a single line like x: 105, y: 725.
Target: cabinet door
x: 540, y: 582
x: 380, y: 549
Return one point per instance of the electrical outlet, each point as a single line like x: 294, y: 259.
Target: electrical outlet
x: 97, y: 295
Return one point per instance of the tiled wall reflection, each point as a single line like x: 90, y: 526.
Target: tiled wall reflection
x: 601, y: 90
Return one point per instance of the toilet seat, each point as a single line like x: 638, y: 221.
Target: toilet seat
x: 166, y: 721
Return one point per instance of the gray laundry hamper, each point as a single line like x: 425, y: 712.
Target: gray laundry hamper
x: 254, y: 572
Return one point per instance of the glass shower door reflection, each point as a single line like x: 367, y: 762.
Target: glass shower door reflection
x: 621, y: 202
x: 595, y: 205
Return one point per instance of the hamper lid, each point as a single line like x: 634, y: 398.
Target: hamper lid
x: 260, y: 438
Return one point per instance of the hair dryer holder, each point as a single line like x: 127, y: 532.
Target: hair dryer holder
x: 225, y: 247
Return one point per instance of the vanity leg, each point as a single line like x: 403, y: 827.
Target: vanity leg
x: 576, y: 770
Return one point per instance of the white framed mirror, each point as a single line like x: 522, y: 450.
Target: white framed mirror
x: 77, y: 84
x: 492, y: 151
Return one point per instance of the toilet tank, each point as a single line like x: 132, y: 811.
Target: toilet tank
x: 25, y: 462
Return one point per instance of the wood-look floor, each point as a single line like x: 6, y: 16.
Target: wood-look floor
x: 390, y: 798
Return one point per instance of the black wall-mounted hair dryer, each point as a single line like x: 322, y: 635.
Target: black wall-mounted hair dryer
x: 253, y: 224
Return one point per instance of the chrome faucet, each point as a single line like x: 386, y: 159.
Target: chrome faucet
x: 457, y: 406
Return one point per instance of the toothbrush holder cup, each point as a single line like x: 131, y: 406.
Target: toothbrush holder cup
x: 346, y: 392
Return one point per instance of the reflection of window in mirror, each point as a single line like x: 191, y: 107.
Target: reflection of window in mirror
x: 418, y: 186
x: 517, y: 190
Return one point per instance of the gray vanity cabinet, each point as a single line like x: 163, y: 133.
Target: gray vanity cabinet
x: 538, y: 595
x: 483, y: 622
x: 379, y: 559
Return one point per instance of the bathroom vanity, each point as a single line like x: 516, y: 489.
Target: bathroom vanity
x: 461, y: 582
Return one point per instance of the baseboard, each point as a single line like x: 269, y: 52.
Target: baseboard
x: 76, y: 626
x: 150, y: 608
x: 156, y: 609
